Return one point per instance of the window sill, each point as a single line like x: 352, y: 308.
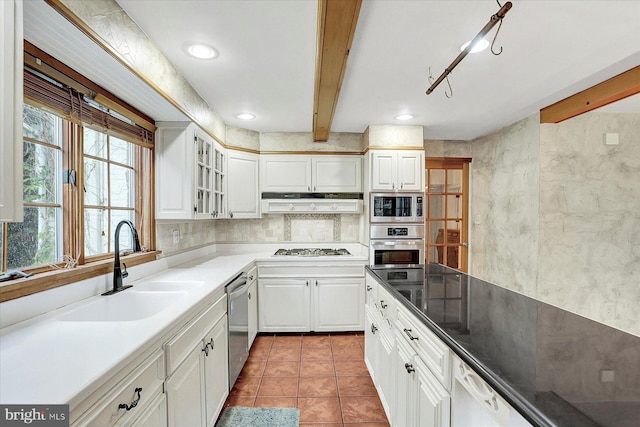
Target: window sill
x: 55, y: 278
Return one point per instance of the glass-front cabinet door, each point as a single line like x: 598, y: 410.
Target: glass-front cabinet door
x: 219, y: 175
x: 203, y: 176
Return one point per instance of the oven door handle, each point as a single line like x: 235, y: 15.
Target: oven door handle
x: 400, y: 243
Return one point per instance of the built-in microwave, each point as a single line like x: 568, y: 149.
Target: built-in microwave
x: 397, y: 207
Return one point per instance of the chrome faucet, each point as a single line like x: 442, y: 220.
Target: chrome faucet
x: 118, y: 274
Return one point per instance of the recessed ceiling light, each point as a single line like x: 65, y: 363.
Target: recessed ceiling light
x: 479, y: 46
x: 403, y: 117
x: 246, y: 116
x: 201, y: 51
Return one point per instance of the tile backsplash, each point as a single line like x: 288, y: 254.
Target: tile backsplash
x: 305, y: 228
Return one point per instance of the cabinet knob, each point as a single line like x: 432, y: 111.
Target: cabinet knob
x: 308, y: 188
x: 230, y: 214
x: 382, y: 304
x: 314, y: 188
x: 373, y: 328
x: 409, y: 367
x: 313, y: 206
x: 369, y: 288
x: 401, y: 185
x: 393, y: 185
x: 249, y: 295
x: 291, y: 207
x: 307, y: 283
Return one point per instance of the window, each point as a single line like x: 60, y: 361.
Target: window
x: 109, y: 193
x: 38, y: 239
x: 87, y: 166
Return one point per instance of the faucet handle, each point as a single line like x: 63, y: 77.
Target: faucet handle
x: 125, y: 273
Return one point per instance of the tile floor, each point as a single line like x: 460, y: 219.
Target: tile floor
x: 323, y: 375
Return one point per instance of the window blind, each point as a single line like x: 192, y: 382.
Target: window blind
x: 71, y: 105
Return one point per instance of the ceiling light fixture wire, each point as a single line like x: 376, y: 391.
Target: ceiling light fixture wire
x: 495, y: 19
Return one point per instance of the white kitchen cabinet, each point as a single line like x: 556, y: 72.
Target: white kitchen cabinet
x: 310, y: 174
x: 336, y: 174
x: 397, y: 170
x: 305, y: 298
x: 284, y: 305
x: 189, y: 173
x: 420, y: 398
x: 286, y: 173
x: 338, y: 305
x: 11, y: 51
x: 197, y: 367
x: 219, y: 181
x: 252, y: 294
x: 130, y: 398
x: 243, y: 193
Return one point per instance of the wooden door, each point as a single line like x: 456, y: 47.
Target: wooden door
x: 446, y: 219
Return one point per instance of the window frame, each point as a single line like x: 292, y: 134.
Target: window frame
x: 72, y: 199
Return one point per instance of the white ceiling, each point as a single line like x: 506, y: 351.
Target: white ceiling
x: 266, y: 66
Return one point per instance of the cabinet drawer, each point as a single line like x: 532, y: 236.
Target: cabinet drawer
x: 311, y: 270
x: 429, y: 347
x: 179, y: 347
x: 140, y: 389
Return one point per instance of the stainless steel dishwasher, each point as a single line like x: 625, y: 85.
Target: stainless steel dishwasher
x: 238, y: 312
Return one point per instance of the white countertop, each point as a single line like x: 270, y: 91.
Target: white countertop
x: 44, y: 360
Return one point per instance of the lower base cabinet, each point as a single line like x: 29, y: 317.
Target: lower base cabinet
x: 330, y: 301
x: 420, y: 398
x: 197, y: 390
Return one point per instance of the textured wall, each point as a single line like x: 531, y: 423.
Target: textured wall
x: 442, y: 148
x: 394, y: 136
x: 303, y: 141
x: 504, y: 201
x: 589, y: 251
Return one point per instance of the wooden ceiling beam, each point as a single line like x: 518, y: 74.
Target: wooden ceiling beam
x: 337, y: 21
x: 614, y: 89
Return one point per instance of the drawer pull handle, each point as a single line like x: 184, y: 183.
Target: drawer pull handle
x: 408, y: 332
x: 383, y: 305
x: 373, y: 328
x: 206, y: 347
x: 134, y: 403
x: 369, y: 288
x: 409, y: 367
x: 249, y: 295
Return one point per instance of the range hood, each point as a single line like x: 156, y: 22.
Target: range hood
x: 304, y: 203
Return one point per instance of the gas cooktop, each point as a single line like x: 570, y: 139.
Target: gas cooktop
x: 312, y: 252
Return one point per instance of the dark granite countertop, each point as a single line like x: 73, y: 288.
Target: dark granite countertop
x: 554, y: 367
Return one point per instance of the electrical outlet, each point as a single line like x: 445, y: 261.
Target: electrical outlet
x: 176, y: 236
x: 607, y: 375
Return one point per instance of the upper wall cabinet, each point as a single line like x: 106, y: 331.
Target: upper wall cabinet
x: 11, y: 111
x: 189, y: 172
x: 310, y: 174
x: 401, y: 170
x: 242, y: 184
x: 336, y: 174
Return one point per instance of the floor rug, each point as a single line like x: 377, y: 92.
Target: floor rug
x: 238, y: 416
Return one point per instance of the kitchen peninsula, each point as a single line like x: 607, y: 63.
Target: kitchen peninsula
x: 554, y: 367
